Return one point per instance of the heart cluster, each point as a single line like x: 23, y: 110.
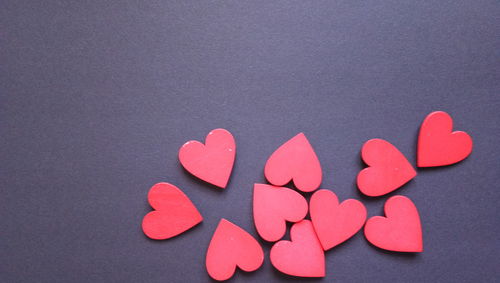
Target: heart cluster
x: 331, y: 222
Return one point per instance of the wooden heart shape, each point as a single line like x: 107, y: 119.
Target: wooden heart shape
x: 335, y: 223
x: 400, y: 230
x: 438, y: 145
x: 174, y: 212
x: 273, y: 206
x: 302, y: 256
x: 389, y: 169
x: 213, y: 161
x: 294, y: 160
x: 232, y: 247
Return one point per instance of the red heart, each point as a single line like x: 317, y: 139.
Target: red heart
x: 400, y: 230
x: 174, y: 212
x: 213, y: 161
x: 272, y: 206
x: 438, y: 145
x: 334, y: 223
x: 389, y: 169
x: 232, y: 246
x: 303, y: 256
x: 294, y: 160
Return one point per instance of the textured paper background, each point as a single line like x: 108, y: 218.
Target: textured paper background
x: 96, y: 97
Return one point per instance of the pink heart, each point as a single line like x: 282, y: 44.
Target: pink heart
x: 273, y: 206
x: 400, y: 230
x: 302, y: 256
x: 335, y: 223
x: 438, y: 145
x: 232, y: 247
x: 294, y: 160
x: 213, y: 161
x: 174, y: 212
x: 389, y: 169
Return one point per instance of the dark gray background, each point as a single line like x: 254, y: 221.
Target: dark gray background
x: 97, y: 97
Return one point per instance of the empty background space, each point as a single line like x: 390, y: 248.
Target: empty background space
x: 96, y: 97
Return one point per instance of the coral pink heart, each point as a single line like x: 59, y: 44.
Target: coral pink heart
x: 302, y: 256
x: 389, y: 169
x: 272, y: 206
x: 213, y: 161
x: 174, y: 212
x: 400, y: 230
x: 232, y: 247
x: 294, y: 160
x: 335, y: 223
x: 438, y: 145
